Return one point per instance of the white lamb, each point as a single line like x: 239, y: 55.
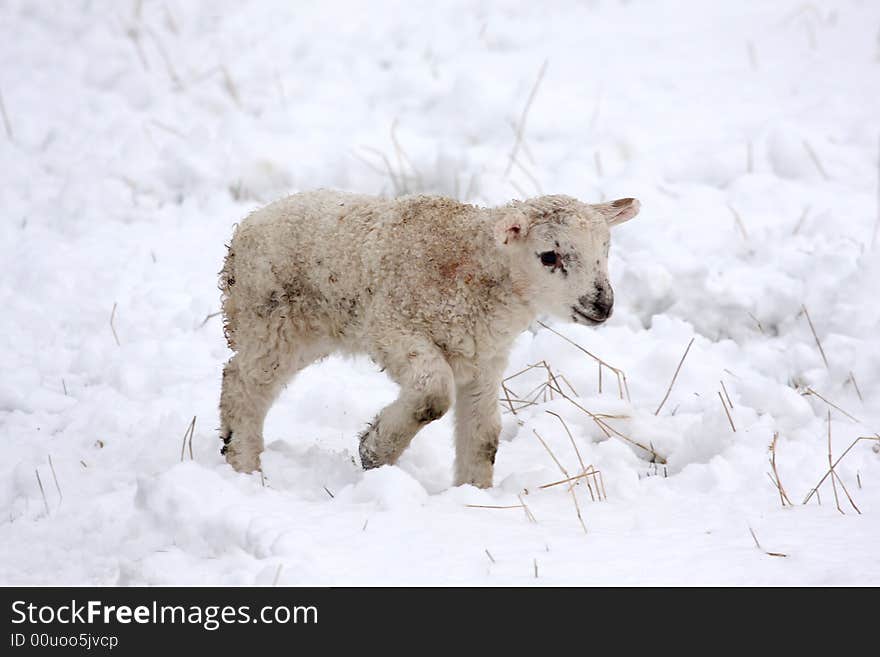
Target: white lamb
x: 435, y: 291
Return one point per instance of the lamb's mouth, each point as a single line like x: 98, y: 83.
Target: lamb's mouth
x: 580, y: 317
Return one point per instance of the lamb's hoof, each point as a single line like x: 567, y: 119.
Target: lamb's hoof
x: 369, y: 459
x: 240, y: 462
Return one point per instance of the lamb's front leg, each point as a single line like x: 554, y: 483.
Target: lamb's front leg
x: 477, y: 427
x: 426, y: 390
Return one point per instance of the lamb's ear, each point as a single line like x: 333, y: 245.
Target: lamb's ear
x: 616, y: 212
x: 511, y: 226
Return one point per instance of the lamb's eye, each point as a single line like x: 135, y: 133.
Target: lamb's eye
x: 549, y: 258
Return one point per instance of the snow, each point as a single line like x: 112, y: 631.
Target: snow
x: 142, y: 131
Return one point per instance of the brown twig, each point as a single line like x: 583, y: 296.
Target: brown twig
x: 755, y: 319
x: 42, y: 491
x: 831, y: 466
x: 783, y: 496
x: 739, y: 222
x: 726, y: 396
x: 493, y: 506
x: 531, y: 516
x: 674, y: 377
x: 758, y: 545
x: 810, y: 391
x: 55, y: 477
x: 815, y: 337
x: 565, y: 474
x: 188, y: 434
x: 621, y: 376
x: 855, y: 385
x: 815, y: 489
x: 727, y: 412
x: 576, y: 450
x: 208, y: 317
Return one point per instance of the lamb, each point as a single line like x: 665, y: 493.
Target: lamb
x: 434, y: 290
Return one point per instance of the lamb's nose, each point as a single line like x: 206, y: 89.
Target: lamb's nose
x: 603, y: 302
x: 602, y: 309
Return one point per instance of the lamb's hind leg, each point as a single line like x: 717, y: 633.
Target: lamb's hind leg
x: 251, y: 382
x: 426, y: 393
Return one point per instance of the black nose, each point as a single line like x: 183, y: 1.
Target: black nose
x: 602, y: 309
x: 601, y: 303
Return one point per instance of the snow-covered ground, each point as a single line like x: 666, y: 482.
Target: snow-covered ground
x: 137, y: 133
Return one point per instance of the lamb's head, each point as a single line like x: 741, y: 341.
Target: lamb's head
x: 558, y: 253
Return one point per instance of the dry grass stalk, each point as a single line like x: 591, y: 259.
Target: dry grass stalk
x: 577, y: 507
x: 576, y: 450
x: 815, y: 337
x: 726, y: 396
x: 277, y: 574
x: 42, y: 491
x: 755, y: 319
x: 489, y: 554
x: 230, y: 87
x: 758, y: 545
x: 6, y: 124
x: 783, y: 496
x: 855, y: 385
x: 208, y: 317
x: 521, y: 125
x: 810, y: 391
x: 831, y: 466
x: 493, y: 506
x: 621, y: 375
x: 727, y: 412
x: 552, y: 385
x: 570, y: 387
x: 535, y: 561
x: 815, y: 159
x: 55, y: 477
x: 531, y: 516
x: 815, y: 489
x: 588, y: 472
x: 113, y: 325
x: 64, y: 386
x: 739, y: 222
x: 674, y: 377
x: 608, y: 430
x: 327, y: 490
x: 188, y: 434
x: 801, y: 220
